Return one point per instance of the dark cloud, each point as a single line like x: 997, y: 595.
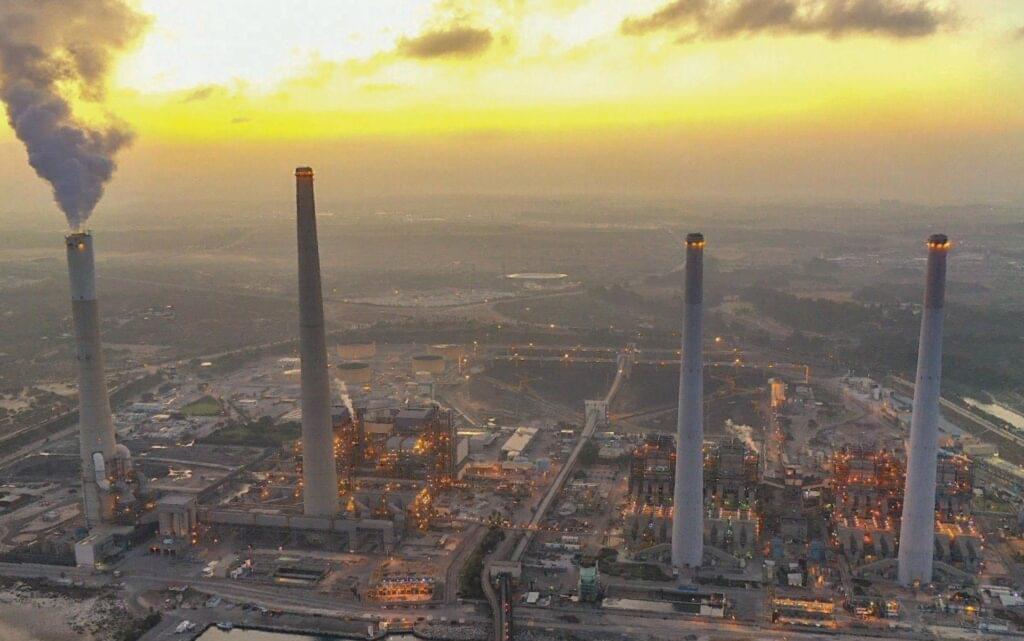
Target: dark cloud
x: 449, y: 42
x: 51, y: 47
x: 673, y: 14
x: 885, y: 17
x: 724, y: 19
x: 752, y: 16
x: 203, y: 92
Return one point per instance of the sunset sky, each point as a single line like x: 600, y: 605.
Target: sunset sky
x: 735, y: 99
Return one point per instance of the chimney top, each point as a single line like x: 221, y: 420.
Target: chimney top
x: 77, y: 238
x: 938, y: 241
x: 695, y: 240
x: 303, y: 172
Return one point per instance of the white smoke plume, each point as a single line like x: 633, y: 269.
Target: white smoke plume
x: 52, y: 52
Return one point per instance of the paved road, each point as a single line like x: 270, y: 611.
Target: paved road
x: 53, y: 573
x: 555, y: 489
x: 646, y: 626
x: 299, y: 600
x: 473, y: 535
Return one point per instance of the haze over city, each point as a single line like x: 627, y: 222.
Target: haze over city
x: 511, y: 320
x: 845, y: 101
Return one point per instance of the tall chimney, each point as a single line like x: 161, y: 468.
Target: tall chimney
x: 917, y: 534
x: 95, y: 425
x: 688, y: 497
x: 320, y: 477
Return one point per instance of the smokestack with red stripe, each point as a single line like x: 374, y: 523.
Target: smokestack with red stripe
x: 688, y: 495
x: 320, y: 477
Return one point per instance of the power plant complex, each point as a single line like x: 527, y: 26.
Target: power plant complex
x: 387, y: 489
x: 483, y: 406
x: 390, y: 461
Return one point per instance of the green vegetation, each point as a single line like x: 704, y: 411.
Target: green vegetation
x: 204, y: 406
x: 260, y: 433
x: 593, y: 308
x: 469, y: 579
x: 982, y: 346
x: 588, y: 453
x: 815, y: 315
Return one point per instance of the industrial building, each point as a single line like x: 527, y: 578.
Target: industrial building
x: 518, y: 443
x: 588, y: 586
x: 358, y: 479
x: 730, y: 481
x: 652, y: 472
x: 734, y: 531
x: 867, y: 483
x: 799, y: 610
x: 409, y: 443
x: 954, y: 486
x: 731, y: 474
x: 867, y: 486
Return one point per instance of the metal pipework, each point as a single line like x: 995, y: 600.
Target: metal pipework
x: 917, y: 532
x: 688, y: 495
x: 95, y: 425
x: 320, y: 477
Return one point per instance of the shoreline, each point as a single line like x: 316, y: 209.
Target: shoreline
x: 41, y: 612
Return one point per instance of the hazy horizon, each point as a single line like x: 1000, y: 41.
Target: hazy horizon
x: 921, y: 102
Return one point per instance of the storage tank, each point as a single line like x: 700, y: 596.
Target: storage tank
x: 355, y: 372
x: 428, y: 363
x: 449, y: 351
x: 357, y: 351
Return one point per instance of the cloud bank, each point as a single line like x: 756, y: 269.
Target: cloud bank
x: 448, y: 42
x: 725, y: 19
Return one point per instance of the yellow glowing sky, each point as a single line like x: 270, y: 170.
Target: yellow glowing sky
x: 561, y: 101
